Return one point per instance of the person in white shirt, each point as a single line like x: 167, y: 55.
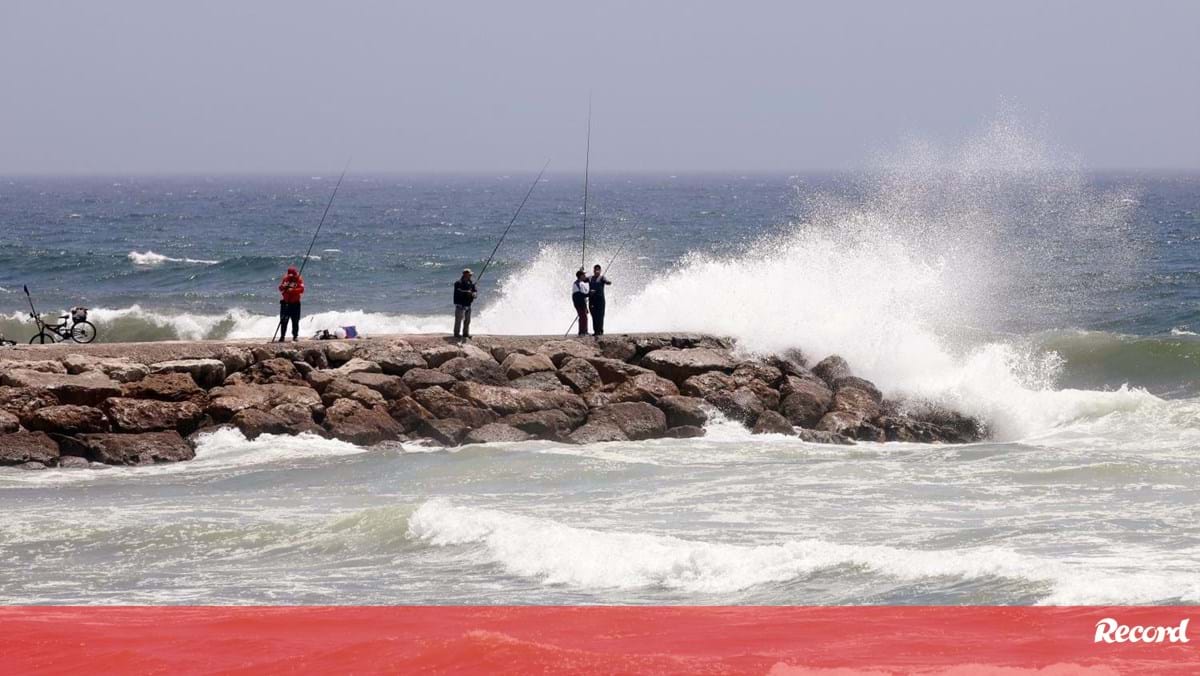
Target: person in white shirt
x: 579, y: 296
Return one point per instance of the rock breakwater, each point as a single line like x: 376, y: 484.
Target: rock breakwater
x: 136, y: 404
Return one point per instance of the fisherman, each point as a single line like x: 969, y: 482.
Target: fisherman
x: 596, y: 284
x: 579, y: 296
x: 464, y: 294
x: 291, y: 288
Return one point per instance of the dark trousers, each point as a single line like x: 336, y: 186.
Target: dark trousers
x: 462, y: 321
x: 289, y: 311
x: 580, y: 301
x: 597, y: 307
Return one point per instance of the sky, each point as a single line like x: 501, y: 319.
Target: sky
x: 299, y: 86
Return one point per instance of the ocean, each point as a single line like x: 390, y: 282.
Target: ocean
x: 1056, y: 303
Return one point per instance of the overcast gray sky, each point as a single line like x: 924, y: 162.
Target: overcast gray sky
x: 300, y: 85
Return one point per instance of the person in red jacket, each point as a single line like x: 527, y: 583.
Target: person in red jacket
x: 291, y: 288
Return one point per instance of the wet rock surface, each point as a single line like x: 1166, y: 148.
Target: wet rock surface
x: 137, y: 404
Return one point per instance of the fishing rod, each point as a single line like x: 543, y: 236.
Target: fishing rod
x: 323, y: 215
x: 308, y: 253
x: 587, y: 160
x: 537, y: 180
x: 606, y: 268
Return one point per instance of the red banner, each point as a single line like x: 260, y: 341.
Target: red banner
x: 782, y: 641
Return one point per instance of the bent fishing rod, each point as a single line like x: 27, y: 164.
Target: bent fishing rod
x: 537, y: 180
x: 605, y: 272
x: 308, y: 253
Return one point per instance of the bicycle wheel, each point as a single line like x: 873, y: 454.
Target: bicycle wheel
x: 83, y: 332
x: 43, y: 338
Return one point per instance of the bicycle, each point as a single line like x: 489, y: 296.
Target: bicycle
x: 74, y: 326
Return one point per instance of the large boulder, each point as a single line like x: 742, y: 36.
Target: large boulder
x: 83, y: 389
x: 68, y: 419
x: 276, y: 370
x: 614, y: 371
x: 805, y: 400
x: 235, y: 358
x: 546, y: 381
x: 496, y: 432
x: 436, y: 355
x: 9, y: 422
x: 508, y: 400
x: 288, y: 419
x: 149, y: 415
x: 339, y: 352
x: 561, y: 351
x: 679, y: 365
x: 791, y: 362
x: 955, y: 427
x: 357, y: 365
x: 579, y: 375
x: 298, y: 417
x: 771, y: 422
x: 930, y: 424
x: 120, y: 370
x: 742, y: 404
x: 228, y: 400
x: 73, y: 462
x: 24, y: 402
x: 831, y: 368
x: 597, y: 432
x: 22, y: 447
x: 396, y: 361
x: 350, y: 421
x: 420, y: 378
x: 445, y: 405
x: 549, y: 424
x: 708, y: 384
x: 391, y: 387
x: 207, y: 373
x: 138, y: 449
x: 620, y: 348
x: 409, y: 413
x: 855, y: 402
x: 518, y: 365
x: 638, y: 420
x: 645, y: 387
x: 165, y: 387
x: 746, y: 373
x: 343, y: 388
x: 683, y: 411
x: 475, y: 370
x: 447, y: 432
x: 502, y: 351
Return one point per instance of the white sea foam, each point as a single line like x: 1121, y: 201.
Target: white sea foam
x: 559, y: 554
x: 150, y: 258
x: 135, y: 323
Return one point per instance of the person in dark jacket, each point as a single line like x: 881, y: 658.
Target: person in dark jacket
x: 290, y: 290
x: 596, y: 284
x: 579, y: 295
x: 464, y: 294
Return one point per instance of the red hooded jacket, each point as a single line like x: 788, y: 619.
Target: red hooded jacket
x: 292, y: 286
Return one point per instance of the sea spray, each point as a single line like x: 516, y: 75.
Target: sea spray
x: 901, y: 280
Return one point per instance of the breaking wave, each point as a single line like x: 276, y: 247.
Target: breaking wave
x: 911, y: 282
x: 152, y: 258
x: 558, y: 554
